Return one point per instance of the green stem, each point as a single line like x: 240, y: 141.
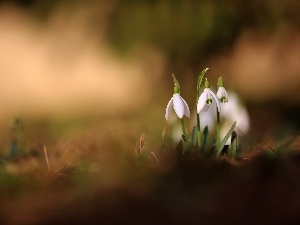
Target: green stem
x: 199, y: 132
x: 183, y: 130
x: 218, y: 141
x: 199, y: 81
x: 163, y: 137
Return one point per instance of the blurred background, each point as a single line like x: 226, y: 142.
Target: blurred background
x: 74, y: 62
x: 87, y: 78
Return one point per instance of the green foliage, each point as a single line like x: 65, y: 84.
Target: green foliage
x: 227, y: 136
x: 204, y: 138
x: 233, y: 145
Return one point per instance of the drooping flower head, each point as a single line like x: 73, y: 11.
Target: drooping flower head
x: 179, y: 105
x: 222, y: 93
x: 205, y: 99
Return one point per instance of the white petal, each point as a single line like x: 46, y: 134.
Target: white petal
x: 202, y: 101
x: 209, y: 118
x: 226, y: 96
x: 169, y: 109
x: 186, y: 108
x: 217, y: 100
x: 208, y: 96
x: 222, y: 93
x: 178, y: 105
x: 206, y: 107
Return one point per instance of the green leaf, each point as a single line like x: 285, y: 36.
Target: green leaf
x: 204, y: 137
x: 195, y: 136
x: 219, y: 150
x: 200, y: 77
x: 184, y: 138
x: 233, y: 145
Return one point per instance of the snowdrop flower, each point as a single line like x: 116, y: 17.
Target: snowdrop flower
x: 222, y: 93
x: 180, y: 107
x: 205, y: 99
x: 233, y: 110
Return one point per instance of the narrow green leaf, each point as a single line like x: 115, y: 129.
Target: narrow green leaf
x: 233, y: 145
x: 200, y: 77
x: 184, y: 138
x: 204, y: 138
x: 195, y: 136
x: 219, y: 150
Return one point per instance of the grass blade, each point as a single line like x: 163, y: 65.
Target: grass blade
x: 195, y: 136
x: 219, y: 150
x: 233, y: 145
x: 204, y: 138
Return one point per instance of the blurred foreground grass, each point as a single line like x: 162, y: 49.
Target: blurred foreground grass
x: 97, y: 178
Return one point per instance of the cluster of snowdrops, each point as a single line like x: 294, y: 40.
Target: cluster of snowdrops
x: 198, y: 138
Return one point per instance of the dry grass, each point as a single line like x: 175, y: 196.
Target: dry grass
x: 110, y: 176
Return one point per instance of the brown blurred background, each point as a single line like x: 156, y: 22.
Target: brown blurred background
x: 104, y: 58
x: 86, y: 78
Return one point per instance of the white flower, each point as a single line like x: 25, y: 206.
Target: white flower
x: 205, y: 99
x: 222, y: 95
x: 234, y: 110
x: 179, y: 105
